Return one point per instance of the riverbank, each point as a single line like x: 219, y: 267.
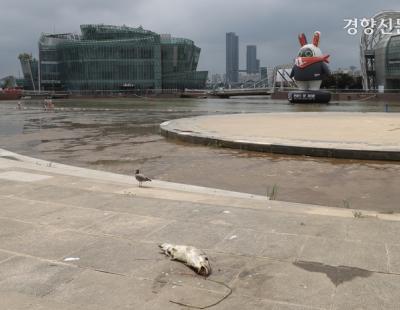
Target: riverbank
x: 120, y: 136
x: 337, y: 96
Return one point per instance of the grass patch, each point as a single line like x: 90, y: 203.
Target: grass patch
x: 272, y: 192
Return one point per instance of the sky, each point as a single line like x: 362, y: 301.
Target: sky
x: 272, y: 25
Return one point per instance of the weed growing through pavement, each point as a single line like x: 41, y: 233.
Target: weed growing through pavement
x: 357, y: 214
x: 272, y: 193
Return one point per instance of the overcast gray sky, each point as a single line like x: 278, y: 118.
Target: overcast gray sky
x: 272, y: 25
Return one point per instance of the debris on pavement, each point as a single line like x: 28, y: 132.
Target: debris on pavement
x: 188, y: 255
x: 71, y: 259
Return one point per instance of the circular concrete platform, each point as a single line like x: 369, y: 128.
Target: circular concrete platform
x: 374, y: 136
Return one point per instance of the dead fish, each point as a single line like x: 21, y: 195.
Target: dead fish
x: 188, y: 255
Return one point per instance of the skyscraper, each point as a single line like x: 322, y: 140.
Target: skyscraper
x: 232, y: 57
x: 253, y: 64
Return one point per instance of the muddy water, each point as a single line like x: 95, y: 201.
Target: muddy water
x: 123, y: 135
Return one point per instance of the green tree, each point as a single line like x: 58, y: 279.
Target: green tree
x: 342, y: 81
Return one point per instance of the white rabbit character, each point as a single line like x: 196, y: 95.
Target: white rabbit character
x: 310, y: 66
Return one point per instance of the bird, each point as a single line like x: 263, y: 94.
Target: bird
x: 141, y: 178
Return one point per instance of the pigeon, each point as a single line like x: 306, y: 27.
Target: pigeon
x: 141, y: 178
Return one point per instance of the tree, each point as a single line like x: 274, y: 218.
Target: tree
x: 342, y: 81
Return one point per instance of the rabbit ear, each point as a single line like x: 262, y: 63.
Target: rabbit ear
x: 316, y: 38
x: 302, y: 39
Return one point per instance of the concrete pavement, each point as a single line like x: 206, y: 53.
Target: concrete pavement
x: 73, y: 238
x: 372, y: 136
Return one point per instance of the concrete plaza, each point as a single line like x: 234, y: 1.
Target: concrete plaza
x: 373, y: 136
x: 73, y: 238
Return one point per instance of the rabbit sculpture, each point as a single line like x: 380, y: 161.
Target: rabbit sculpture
x: 310, y: 66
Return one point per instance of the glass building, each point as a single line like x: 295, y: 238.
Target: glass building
x: 380, y: 53
x: 118, y: 58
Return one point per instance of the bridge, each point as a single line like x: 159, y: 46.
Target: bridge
x: 235, y: 92
x: 280, y: 79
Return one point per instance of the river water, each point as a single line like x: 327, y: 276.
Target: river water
x: 121, y: 135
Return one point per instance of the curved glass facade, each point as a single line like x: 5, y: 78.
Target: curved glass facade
x: 109, y: 65
x: 393, y: 56
x: 380, y: 53
x: 112, y: 58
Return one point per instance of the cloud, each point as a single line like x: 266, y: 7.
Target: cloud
x: 272, y: 25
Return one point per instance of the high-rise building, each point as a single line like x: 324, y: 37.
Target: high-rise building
x: 264, y: 73
x: 118, y: 58
x: 232, y: 58
x: 253, y: 64
x: 380, y: 53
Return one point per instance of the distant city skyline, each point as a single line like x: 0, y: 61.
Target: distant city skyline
x: 272, y: 25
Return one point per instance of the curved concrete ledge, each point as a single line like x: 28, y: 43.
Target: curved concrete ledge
x: 108, y: 182
x: 370, y: 136
x: 47, y: 166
